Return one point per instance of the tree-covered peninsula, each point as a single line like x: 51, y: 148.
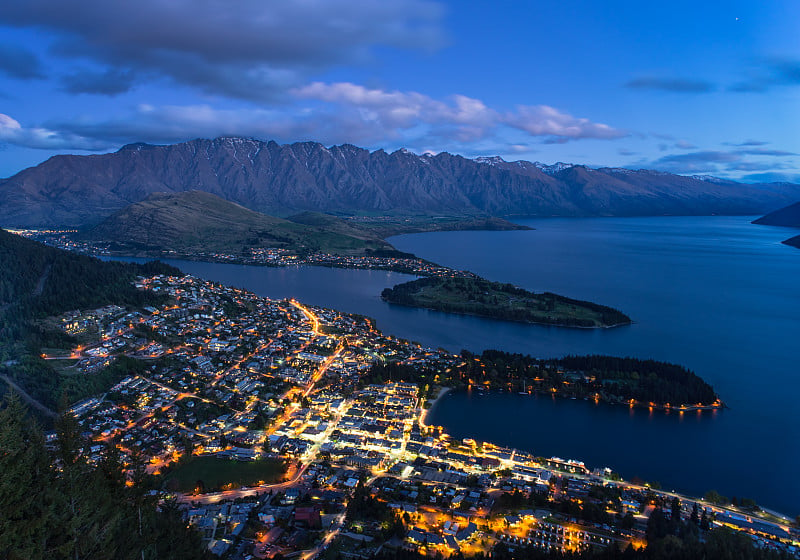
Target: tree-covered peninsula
x: 496, y: 300
x: 629, y: 381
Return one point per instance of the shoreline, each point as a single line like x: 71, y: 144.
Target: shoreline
x: 518, y: 321
x: 667, y: 408
x: 423, y: 419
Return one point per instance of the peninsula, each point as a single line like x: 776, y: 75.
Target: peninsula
x: 496, y: 300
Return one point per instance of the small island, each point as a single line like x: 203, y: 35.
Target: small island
x: 496, y: 300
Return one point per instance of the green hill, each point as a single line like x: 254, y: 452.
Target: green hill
x: 476, y: 296
x: 199, y: 222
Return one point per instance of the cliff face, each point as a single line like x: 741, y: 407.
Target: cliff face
x: 286, y: 179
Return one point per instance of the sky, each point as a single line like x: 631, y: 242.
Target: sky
x: 701, y: 87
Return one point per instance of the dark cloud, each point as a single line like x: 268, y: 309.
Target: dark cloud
x: 20, y: 63
x: 240, y: 48
x: 763, y: 152
x: 715, y: 161
x: 771, y: 177
x: 746, y: 143
x: 755, y: 166
x: 770, y: 73
x: 677, y: 85
x: 695, y: 162
x: 108, y: 82
x: 624, y: 152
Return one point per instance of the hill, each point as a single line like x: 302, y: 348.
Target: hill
x: 195, y: 221
x: 477, y: 296
x: 37, y: 281
x: 286, y: 179
x: 793, y: 241
x: 786, y: 217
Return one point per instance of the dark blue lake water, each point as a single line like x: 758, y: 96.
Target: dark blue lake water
x: 716, y: 294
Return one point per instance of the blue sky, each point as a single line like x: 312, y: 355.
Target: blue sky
x: 686, y: 87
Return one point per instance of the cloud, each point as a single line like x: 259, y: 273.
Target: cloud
x: 20, y: 63
x: 459, y: 117
x: 715, y: 161
x: 684, y: 145
x: 747, y: 143
x: 402, y: 109
x: 763, y: 152
x: 543, y: 120
x: 769, y: 73
x: 109, y: 82
x: 12, y: 132
x: 695, y: 162
x: 771, y: 177
x: 676, y: 85
x: 345, y: 112
x: 241, y: 48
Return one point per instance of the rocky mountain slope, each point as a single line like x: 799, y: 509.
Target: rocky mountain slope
x: 287, y: 179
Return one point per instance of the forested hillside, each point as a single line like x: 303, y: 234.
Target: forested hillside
x: 37, y: 281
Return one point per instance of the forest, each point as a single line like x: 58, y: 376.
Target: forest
x: 56, y: 505
x: 37, y: 281
x: 607, y: 378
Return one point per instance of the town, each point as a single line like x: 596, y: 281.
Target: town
x: 269, y: 422
x: 257, y: 256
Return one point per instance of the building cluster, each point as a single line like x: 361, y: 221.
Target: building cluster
x: 264, y: 256
x: 231, y: 377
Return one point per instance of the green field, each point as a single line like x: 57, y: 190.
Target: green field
x: 216, y: 473
x: 476, y: 296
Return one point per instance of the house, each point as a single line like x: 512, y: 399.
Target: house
x: 308, y: 516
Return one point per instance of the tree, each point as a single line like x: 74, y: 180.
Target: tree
x: 24, y: 485
x: 704, y: 523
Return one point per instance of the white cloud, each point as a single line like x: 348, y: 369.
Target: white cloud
x: 468, y: 118
x: 12, y: 132
x: 543, y: 120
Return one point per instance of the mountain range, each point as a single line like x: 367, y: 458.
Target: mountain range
x: 282, y: 180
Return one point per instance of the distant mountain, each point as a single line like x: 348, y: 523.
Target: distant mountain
x: 786, y: 217
x: 197, y: 221
x: 286, y: 179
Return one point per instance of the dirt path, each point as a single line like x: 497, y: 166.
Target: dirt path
x: 27, y: 398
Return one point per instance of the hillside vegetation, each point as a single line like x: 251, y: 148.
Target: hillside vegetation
x: 37, y: 281
x: 199, y: 222
x: 476, y: 296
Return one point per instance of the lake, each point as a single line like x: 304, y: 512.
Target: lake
x: 716, y: 294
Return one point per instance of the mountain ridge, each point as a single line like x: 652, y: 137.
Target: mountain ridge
x: 287, y: 179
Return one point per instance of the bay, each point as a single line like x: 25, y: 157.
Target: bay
x: 716, y: 294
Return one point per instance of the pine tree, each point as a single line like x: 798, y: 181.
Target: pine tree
x: 695, y: 517
x: 24, y: 484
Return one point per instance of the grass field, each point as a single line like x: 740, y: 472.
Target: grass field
x: 216, y: 473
